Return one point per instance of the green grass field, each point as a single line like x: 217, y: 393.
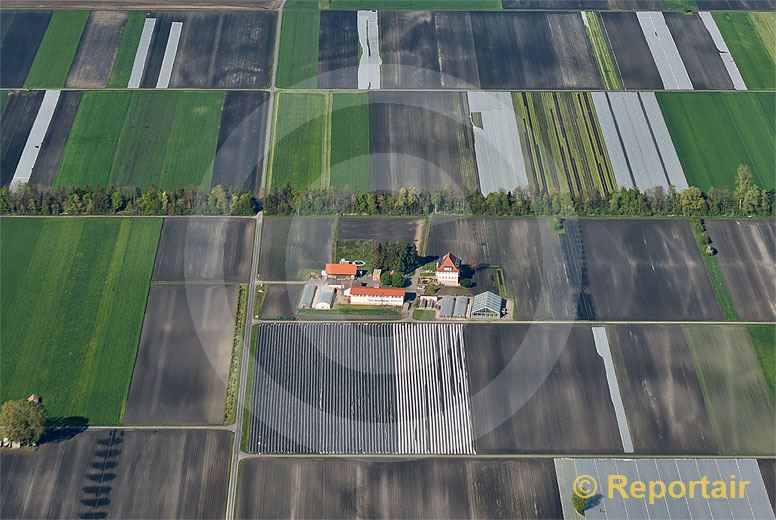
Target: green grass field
x: 57, y: 49
x: 73, y: 300
x: 164, y: 138
x: 680, y: 5
x: 423, y: 315
x: 125, y: 56
x: 603, y: 51
x: 746, y: 43
x: 736, y: 395
x: 246, y: 422
x: 350, y: 165
x: 714, y: 132
x: 764, y: 343
x: 563, y: 126
x: 396, y: 5
x: 298, y: 53
x: 301, y: 140
x: 3, y: 96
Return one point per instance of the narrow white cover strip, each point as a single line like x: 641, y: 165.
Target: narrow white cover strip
x: 612, y: 140
x: 138, y: 66
x: 664, y: 51
x: 665, y: 144
x: 35, y: 139
x: 169, y: 55
x: 369, y: 40
x: 724, y: 52
x: 602, y: 346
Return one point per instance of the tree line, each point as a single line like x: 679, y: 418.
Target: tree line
x: 746, y: 199
x: 41, y: 200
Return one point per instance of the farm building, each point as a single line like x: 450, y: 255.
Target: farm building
x: 487, y: 305
x: 325, y: 299
x: 308, y: 293
x: 341, y: 271
x: 446, y: 307
x: 461, y: 306
x: 383, y: 296
x: 448, y: 270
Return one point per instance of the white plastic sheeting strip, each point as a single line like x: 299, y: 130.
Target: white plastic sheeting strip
x: 665, y: 145
x: 664, y: 51
x: 622, y: 173
x: 138, y: 66
x: 724, y: 52
x: 169, y: 55
x: 35, y: 140
x: 369, y: 39
x: 602, y: 346
x: 432, y: 390
x: 500, y: 162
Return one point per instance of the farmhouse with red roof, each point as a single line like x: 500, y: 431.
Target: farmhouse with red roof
x: 448, y: 270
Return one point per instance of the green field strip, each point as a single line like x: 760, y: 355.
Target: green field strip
x: 89, y: 151
x: 298, y: 55
x: 561, y: 135
x: 397, y: 5
x: 125, y: 56
x: 755, y: 59
x: 607, y: 65
x: 3, y: 96
x: 350, y: 164
x: 142, y: 138
x: 299, y: 142
x: 721, y: 292
x: 74, y: 295
x: 680, y: 5
x: 248, y: 403
x: 764, y: 343
x: 715, y: 132
x: 737, y: 397
x: 765, y: 24
x: 57, y: 50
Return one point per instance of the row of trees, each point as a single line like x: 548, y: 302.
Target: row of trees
x: 744, y: 200
x: 37, y: 200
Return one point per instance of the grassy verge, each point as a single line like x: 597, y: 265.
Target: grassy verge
x: 721, y: 292
x: 258, y: 299
x: 745, y: 35
x: 680, y: 5
x: 125, y: 56
x: 298, y: 53
x: 232, y: 385
x: 72, y: 306
x: 3, y: 96
x: 714, y: 133
x: 57, y: 49
x: 355, y: 310
x: 300, y: 150
x: 246, y: 423
x: 764, y: 342
x: 350, y: 166
x: 354, y: 250
x: 603, y: 51
x: 423, y: 315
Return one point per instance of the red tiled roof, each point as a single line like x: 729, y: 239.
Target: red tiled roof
x: 377, y: 291
x: 342, y: 269
x: 447, y: 264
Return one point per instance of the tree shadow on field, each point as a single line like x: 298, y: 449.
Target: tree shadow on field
x: 59, y: 429
x: 96, y: 490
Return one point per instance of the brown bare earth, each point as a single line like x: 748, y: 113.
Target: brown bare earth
x: 119, y: 474
x: 660, y: 390
x: 539, y: 389
x: 99, y: 43
x: 281, y: 301
x: 141, y: 4
x: 424, y: 488
x: 745, y: 251
x: 291, y: 247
